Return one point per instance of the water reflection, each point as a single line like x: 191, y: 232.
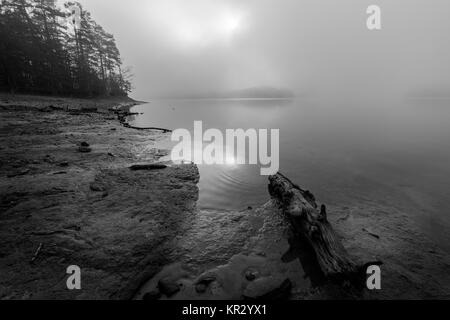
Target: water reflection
x: 395, y: 153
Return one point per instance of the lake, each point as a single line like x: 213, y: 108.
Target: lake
x: 392, y: 152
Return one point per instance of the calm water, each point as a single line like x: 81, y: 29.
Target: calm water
x: 394, y: 153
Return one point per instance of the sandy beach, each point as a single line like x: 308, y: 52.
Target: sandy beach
x: 83, y: 206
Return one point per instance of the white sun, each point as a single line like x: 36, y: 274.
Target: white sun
x: 230, y: 23
x: 197, y: 23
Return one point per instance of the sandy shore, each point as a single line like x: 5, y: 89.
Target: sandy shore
x: 138, y: 234
x: 83, y: 208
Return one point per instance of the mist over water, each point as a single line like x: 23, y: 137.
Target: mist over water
x: 394, y: 154
x: 356, y: 133
x: 316, y: 48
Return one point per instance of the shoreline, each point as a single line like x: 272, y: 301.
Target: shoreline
x: 63, y: 204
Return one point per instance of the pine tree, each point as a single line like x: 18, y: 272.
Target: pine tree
x: 41, y: 51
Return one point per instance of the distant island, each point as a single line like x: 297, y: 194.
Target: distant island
x: 261, y: 92
x: 258, y: 92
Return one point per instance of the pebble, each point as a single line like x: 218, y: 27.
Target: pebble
x: 168, y: 287
x: 251, y: 275
x: 200, y: 287
x: 84, y: 149
x: 97, y: 187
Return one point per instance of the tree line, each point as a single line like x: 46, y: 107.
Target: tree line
x: 48, y: 48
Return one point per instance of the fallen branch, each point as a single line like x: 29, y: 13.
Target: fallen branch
x: 36, y: 253
x: 371, y: 233
x: 145, y: 128
x: 122, y: 116
x: 46, y: 233
x: 300, y: 207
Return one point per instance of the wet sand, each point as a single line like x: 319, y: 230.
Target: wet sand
x: 61, y: 206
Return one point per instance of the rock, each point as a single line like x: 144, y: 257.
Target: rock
x: 46, y: 109
x: 84, y: 149
x: 154, y: 166
x: 251, y: 274
x: 237, y: 218
x: 201, y: 287
x: 168, y: 287
x: 84, y: 144
x: 152, y: 295
x: 97, y: 187
x: 203, y: 283
x: 64, y: 164
x: 48, y: 159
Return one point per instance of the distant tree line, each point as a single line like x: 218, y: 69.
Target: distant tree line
x: 48, y: 48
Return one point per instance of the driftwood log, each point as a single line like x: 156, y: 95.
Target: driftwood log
x: 311, y: 223
x: 151, y: 166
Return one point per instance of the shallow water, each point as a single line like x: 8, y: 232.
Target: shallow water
x: 396, y: 153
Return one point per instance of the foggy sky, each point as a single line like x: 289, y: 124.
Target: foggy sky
x: 317, y: 47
